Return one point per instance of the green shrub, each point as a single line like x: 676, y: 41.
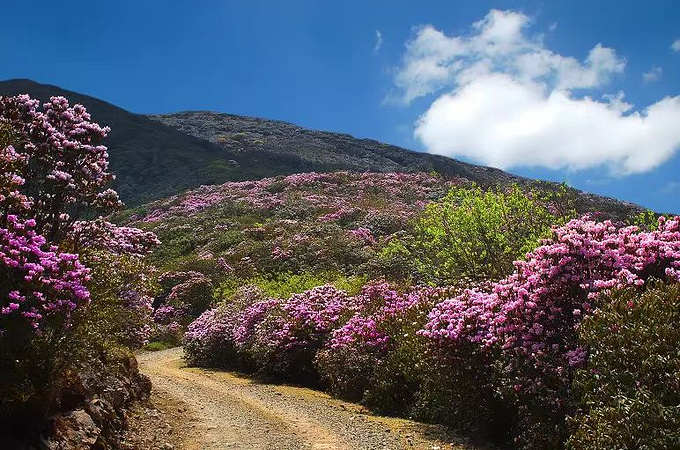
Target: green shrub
x: 283, y: 285
x: 630, y: 391
x: 478, y: 235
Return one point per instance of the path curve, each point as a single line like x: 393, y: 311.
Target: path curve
x: 229, y: 411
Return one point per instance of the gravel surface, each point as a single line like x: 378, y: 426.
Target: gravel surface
x: 222, y: 410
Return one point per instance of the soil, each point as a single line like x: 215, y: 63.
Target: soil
x: 197, y: 409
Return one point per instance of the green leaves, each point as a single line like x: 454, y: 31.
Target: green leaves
x: 472, y: 234
x: 630, y: 391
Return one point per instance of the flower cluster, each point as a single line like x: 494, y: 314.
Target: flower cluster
x: 219, y: 335
x: 354, y: 353
x: 53, y: 168
x: 184, y: 296
x: 167, y: 314
x: 39, y: 283
x: 532, y: 316
x: 364, y: 234
x: 55, y: 163
x: 280, y: 337
x: 100, y: 234
x: 138, y: 305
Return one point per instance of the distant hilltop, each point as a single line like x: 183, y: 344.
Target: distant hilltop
x: 156, y: 156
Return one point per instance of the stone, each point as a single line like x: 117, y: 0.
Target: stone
x: 72, y: 431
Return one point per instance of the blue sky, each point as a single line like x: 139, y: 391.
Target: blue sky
x: 532, y: 87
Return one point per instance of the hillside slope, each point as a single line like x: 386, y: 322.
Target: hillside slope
x: 298, y: 149
x: 150, y: 160
x: 158, y: 156
x: 305, y: 150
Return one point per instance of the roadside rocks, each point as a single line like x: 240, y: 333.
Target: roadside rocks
x: 94, y: 404
x: 73, y: 431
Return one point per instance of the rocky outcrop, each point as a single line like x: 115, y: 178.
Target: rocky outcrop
x: 94, y: 404
x: 74, y: 430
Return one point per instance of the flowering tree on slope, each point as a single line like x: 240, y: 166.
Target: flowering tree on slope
x: 53, y: 178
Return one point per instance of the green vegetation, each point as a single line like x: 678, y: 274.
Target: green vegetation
x: 630, y: 390
x: 283, y: 285
x: 474, y: 234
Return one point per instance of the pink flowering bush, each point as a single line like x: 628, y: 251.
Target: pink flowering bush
x: 208, y: 341
x: 57, y: 304
x: 103, y: 235
x: 187, y: 294
x: 278, y: 337
x: 42, y: 286
x: 247, y: 331
x: 354, y: 350
x: 458, y: 384
x: 217, y: 337
x: 54, y: 162
x: 287, y: 339
x: 376, y: 357
x: 531, y: 317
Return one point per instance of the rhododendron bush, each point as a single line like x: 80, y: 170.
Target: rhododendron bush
x: 628, y: 393
x: 40, y: 284
x: 279, y: 337
x: 376, y: 354
x: 531, y: 317
x: 495, y: 358
x: 64, y: 275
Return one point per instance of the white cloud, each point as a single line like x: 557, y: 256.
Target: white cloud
x: 675, y: 46
x: 498, y: 43
x: 510, y: 101
x: 652, y: 75
x: 378, y: 41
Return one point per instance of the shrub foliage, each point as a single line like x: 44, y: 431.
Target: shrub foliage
x: 629, y: 390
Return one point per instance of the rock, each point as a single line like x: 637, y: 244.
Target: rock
x: 100, y: 410
x: 72, y: 431
x: 167, y: 446
x: 94, y: 400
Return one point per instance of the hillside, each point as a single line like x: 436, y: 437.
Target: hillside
x: 161, y: 155
x: 150, y: 160
x: 320, y: 222
x: 304, y: 150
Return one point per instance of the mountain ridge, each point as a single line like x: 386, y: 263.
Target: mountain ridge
x: 158, y: 155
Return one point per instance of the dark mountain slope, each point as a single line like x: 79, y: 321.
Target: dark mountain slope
x: 320, y: 151
x: 160, y: 155
x: 150, y: 160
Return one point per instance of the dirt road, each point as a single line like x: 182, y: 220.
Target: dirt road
x: 221, y: 410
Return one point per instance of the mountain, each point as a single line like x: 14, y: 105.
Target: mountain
x: 150, y: 160
x: 303, y: 150
x: 156, y: 156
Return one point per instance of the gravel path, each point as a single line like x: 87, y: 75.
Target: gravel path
x: 229, y: 411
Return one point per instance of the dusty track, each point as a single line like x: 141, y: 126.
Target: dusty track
x: 226, y: 411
